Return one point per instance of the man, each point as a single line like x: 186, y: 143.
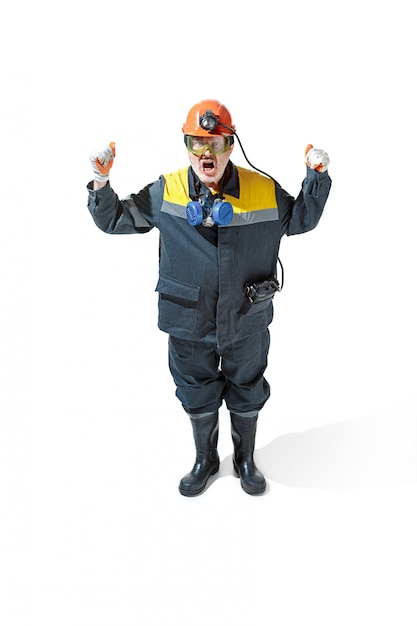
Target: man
x: 220, y: 229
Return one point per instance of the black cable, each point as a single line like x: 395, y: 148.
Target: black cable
x: 244, y: 154
x: 261, y: 172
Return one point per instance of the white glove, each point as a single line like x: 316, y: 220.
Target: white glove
x: 101, y: 161
x: 316, y: 159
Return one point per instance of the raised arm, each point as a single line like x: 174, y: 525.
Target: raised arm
x: 303, y: 213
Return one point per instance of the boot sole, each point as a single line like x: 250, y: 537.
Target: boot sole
x: 251, y: 491
x: 196, y: 492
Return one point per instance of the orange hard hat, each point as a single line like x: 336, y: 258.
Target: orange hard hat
x: 206, y: 118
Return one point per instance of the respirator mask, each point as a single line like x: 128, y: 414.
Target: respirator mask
x: 209, y: 210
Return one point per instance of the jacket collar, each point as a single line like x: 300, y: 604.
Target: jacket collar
x: 230, y: 182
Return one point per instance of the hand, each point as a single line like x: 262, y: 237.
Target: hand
x: 102, y: 161
x: 316, y: 159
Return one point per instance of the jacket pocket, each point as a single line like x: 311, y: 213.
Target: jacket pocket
x: 178, y: 303
x: 253, y: 308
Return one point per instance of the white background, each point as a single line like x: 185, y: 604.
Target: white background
x: 92, y: 439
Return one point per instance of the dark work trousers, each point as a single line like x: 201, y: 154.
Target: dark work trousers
x: 206, y: 375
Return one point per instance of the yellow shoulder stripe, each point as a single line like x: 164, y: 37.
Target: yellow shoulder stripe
x: 176, y: 187
x: 257, y: 192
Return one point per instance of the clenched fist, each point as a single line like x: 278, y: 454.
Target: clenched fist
x: 316, y: 159
x: 102, y: 160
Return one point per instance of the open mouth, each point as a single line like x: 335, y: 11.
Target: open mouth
x: 208, y: 166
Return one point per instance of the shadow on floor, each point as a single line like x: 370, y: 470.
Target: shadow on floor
x: 343, y: 456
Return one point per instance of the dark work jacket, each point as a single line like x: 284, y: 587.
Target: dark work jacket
x: 203, y: 271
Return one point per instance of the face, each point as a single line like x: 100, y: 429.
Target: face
x: 209, y: 167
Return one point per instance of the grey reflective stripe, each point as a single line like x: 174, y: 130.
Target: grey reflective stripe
x: 239, y: 219
x: 199, y: 416
x: 255, y: 217
x: 138, y: 219
x: 247, y: 415
x: 173, y: 209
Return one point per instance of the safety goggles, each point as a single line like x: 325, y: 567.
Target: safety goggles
x: 218, y: 144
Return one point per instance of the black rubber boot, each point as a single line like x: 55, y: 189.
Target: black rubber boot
x: 243, y: 435
x: 206, y: 434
